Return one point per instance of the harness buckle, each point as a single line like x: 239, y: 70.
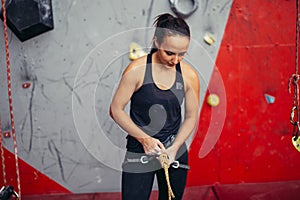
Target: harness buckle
x: 175, y: 164
x: 144, y: 159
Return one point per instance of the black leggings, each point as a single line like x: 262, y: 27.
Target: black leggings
x: 137, y: 184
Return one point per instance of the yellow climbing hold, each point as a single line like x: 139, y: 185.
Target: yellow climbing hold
x: 209, y: 38
x: 296, y: 143
x: 213, y: 100
x: 136, y: 51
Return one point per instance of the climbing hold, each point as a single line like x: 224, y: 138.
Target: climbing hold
x: 270, y: 99
x: 213, y: 100
x: 209, y: 38
x: 296, y: 142
x: 6, y: 134
x: 136, y: 51
x: 26, y: 85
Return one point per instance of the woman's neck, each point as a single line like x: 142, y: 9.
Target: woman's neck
x: 159, y: 64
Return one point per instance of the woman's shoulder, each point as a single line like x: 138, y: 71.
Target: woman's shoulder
x: 190, y: 77
x: 188, y: 71
x: 136, y: 66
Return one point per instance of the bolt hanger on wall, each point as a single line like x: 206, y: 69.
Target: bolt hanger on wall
x: 184, y: 8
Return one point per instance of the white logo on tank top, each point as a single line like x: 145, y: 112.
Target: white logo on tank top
x: 179, y: 86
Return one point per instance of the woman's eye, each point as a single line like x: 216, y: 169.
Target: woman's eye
x: 169, y: 53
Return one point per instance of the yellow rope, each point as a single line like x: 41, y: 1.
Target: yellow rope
x: 164, y: 161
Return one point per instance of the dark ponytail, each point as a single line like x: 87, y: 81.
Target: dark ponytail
x: 168, y: 25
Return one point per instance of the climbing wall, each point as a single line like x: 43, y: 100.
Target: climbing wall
x: 63, y: 81
x: 66, y: 141
x: 255, y: 61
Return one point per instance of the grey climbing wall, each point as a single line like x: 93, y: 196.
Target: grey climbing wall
x: 62, y: 123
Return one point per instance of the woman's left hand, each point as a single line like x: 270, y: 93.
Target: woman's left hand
x: 171, y: 152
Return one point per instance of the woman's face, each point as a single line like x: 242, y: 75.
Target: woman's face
x: 172, y: 49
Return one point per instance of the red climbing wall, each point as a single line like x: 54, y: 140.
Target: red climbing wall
x: 257, y: 57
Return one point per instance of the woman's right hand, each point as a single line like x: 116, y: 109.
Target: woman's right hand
x: 152, y: 146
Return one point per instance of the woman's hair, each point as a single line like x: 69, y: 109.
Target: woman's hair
x: 168, y: 25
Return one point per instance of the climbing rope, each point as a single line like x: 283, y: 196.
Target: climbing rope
x: 164, y: 161
x: 13, y: 130
x: 2, y: 154
x: 293, y: 80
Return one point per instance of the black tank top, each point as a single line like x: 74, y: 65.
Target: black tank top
x: 157, y: 112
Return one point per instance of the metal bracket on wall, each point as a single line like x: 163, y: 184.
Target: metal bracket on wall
x: 176, y: 6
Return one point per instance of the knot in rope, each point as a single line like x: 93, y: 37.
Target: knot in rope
x: 165, y: 164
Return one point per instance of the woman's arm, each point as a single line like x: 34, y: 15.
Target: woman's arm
x: 192, y: 93
x: 129, y: 83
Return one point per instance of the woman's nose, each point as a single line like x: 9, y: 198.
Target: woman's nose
x: 175, y: 59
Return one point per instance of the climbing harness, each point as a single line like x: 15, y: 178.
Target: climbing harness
x: 175, y: 6
x: 176, y: 165
x: 143, y: 159
x: 13, y: 130
x: 165, y: 164
x: 146, y: 159
x: 293, y: 80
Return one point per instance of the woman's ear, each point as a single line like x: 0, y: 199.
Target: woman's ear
x: 155, y: 42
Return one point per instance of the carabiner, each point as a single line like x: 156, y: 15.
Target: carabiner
x: 294, y: 109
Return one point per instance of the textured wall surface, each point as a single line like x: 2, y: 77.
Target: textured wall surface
x: 256, y: 58
x: 62, y: 123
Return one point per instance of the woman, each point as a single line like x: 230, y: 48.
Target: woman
x: 157, y: 85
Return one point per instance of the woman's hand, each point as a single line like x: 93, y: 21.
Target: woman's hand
x: 152, y: 146
x: 171, y: 152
